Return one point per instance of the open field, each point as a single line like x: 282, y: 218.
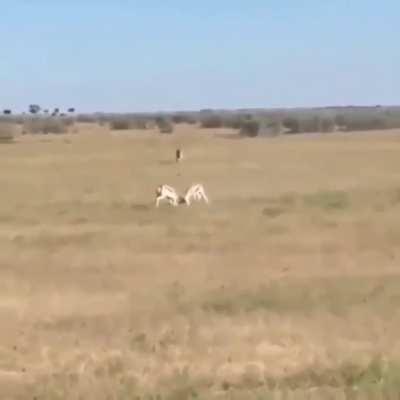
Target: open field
x: 285, y: 287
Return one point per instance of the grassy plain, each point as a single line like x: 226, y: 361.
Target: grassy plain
x: 286, y: 287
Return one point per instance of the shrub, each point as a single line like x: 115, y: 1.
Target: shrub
x: 367, y: 120
x: 183, y: 119
x: 46, y: 125
x: 212, y: 121
x: 233, y: 122
x: 275, y: 127
x: 86, y: 118
x: 68, y: 121
x: 191, y: 120
x: 310, y: 124
x: 138, y: 123
x: 177, y: 119
x: 120, y: 124
x: 7, y: 132
x: 365, y: 123
x: 250, y: 128
x: 292, y: 124
x: 340, y: 120
x: 327, y: 125
x: 10, y: 119
x: 164, y: 125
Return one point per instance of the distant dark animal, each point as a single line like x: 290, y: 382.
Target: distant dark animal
x: 178, y: 155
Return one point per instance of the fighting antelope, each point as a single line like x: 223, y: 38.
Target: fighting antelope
x: 168, y: 193
x: 196, y: 192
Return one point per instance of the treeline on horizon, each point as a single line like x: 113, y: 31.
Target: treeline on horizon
x: 248, y: 122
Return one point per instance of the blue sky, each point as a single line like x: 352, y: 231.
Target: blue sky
x: 182, y: 55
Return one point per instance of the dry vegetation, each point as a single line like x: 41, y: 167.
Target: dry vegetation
x: 286, y: 287
x: 7, y: 132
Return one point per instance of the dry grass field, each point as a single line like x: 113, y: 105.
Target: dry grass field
x: 287, y: 286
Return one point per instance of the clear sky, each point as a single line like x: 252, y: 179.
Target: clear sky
x: 115, y: 55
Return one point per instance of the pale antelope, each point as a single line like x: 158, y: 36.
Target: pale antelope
x: 168, y: 193
x: 196, y: 192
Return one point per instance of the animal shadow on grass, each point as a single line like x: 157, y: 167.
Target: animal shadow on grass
x: 140, y: 207
x: 229, y: 136
x: 167, y: 162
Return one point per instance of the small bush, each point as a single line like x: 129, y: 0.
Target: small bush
x: 85, y: 118
x: 178, y: 119
x: 139, y: 123
x: 233, y: 122
x: 183, y: 119
x: 11, y: 119
x: 7, y: 132
x: 366, y: 120
x: 212, y: 121
x: 327, y: 125
x: 340, y: 120
x: 291, y: 124
x: 164, y: 125
x: 191, y: 120
x: 68, y: 121
x: 126, y: 122
x: 309, y: 124
x: 276, y: 127
x: 365, y: 123
x: 120, y: 124
x: 250, y: 128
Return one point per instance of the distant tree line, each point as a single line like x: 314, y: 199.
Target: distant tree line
x: 247, y: 122
x: 41, y: 120
x: 323, y: 120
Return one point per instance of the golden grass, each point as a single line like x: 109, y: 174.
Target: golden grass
x: 286, y: 285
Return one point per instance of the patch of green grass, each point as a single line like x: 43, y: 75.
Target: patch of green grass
x: 378, y: 379
x: 327, y: 200
x: 288, y: 199
x: 50, y: 240
x: 395, y: 197
x: 277, y: 230
x: 322, y: 200
x: 336, y: 295
x: 280, y: 205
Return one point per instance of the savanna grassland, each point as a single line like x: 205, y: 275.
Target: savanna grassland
x: 287, y: 286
